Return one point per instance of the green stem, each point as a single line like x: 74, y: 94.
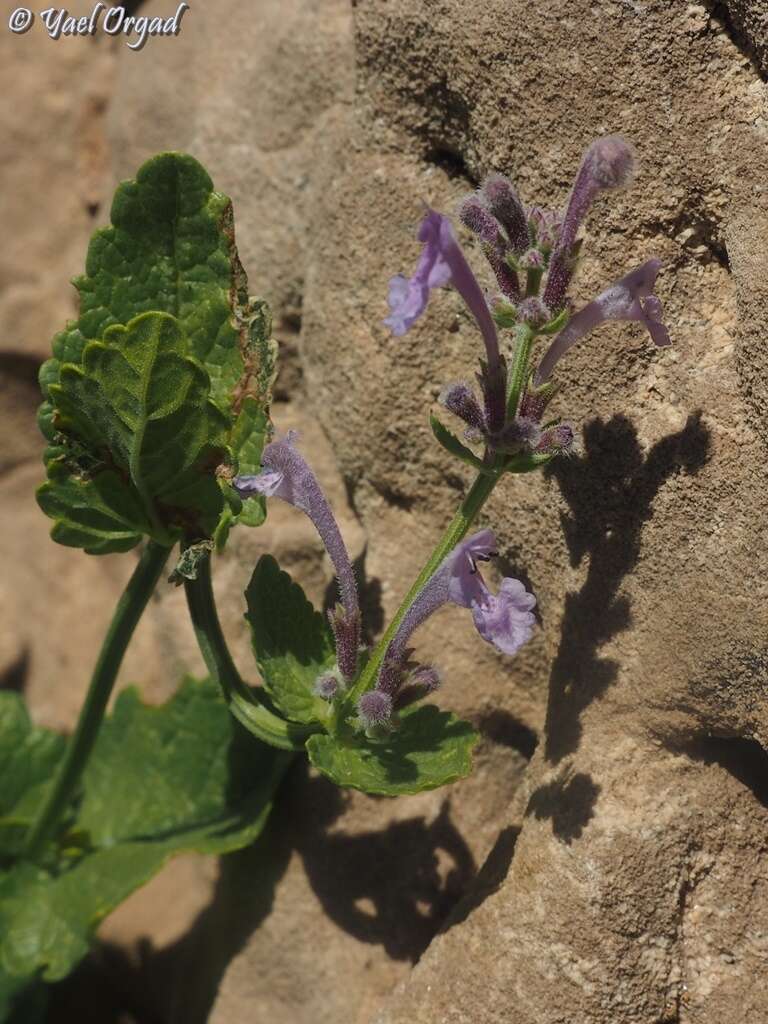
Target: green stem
x: 457, y: 529
x: 243, y: 702
x: 519, y: 371
x: 533, y: 281
x: 459, y: 526
x: 129, y: 609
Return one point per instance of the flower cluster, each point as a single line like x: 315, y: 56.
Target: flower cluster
x: 533, y: 254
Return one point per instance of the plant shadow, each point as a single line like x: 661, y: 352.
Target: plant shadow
x: 391, y: 887
x: 610, y: 491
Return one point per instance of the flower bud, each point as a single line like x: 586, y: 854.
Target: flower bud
x: 557, y: 440
x: 532, y: 311
x: 459, y: 398
x: 533, y: 259
x: 327, y: 686
x: 504, y: 203
x: 522, y: 434
x: 478, y: 219
x: 374, y: 708
x: 421, y: 683
x: 612, y: 162
x: 504, y: 313
x: 535, y: 401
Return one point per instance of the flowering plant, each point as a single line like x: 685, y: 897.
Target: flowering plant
x: 156, y: 413
x: 371, y: 734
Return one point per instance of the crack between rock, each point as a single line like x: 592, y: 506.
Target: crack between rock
x: 720, y: 11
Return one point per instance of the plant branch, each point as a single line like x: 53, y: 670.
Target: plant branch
x: 243, y: 702
x: 129, y: 609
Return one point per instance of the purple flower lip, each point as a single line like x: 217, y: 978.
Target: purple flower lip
x: 441, y: 262
x: 630, y: 298
x: 408, y: 297
x: 506, y: 619
x: 458, y: 581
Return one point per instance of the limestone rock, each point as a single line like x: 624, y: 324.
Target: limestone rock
x: 617, y: 874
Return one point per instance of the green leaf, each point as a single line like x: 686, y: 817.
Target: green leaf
x: 171, y: 249
x: 429, y: 749
x: 28, y: 756
x: 103, y: 514
x: 526, y: 462
x: 453, y: 445
x: 247, y: 442
x: 142, y: 405
x: 162, y: 780
x: 184, y: 767
x: 291, y: 641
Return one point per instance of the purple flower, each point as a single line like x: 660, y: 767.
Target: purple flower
x: 504, y: 619
x: 408, y: 297
x: 608, y: 163
x: 631, y: 298
x: 457, y: 580
x: 441, y: 262
x: 286, y: 475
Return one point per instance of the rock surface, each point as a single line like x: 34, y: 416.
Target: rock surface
x: 618, y: 874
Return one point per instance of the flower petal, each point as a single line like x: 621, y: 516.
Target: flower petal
x: 465, y: 584
x: 630, y: 298
x: 505, y: 619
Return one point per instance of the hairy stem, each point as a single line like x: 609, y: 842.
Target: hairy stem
x: 457, y: 529
x: 519, y: 371
x: 459, y: 526
x: 244, y: 703
x: 129, y: 609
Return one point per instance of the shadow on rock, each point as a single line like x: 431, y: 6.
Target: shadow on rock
x: 610, y: 491
x: 490, y: 877
x: 568, y: 802
x: 393, y: 887
x: 742, y: 758
x: 501, y: 727
x: 16, y: 675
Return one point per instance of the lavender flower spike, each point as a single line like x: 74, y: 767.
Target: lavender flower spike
x: 504, y: 620
x: 441, y: 262
x: 608, y: 163
x: 631, y: 298
x: 286, y: 475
